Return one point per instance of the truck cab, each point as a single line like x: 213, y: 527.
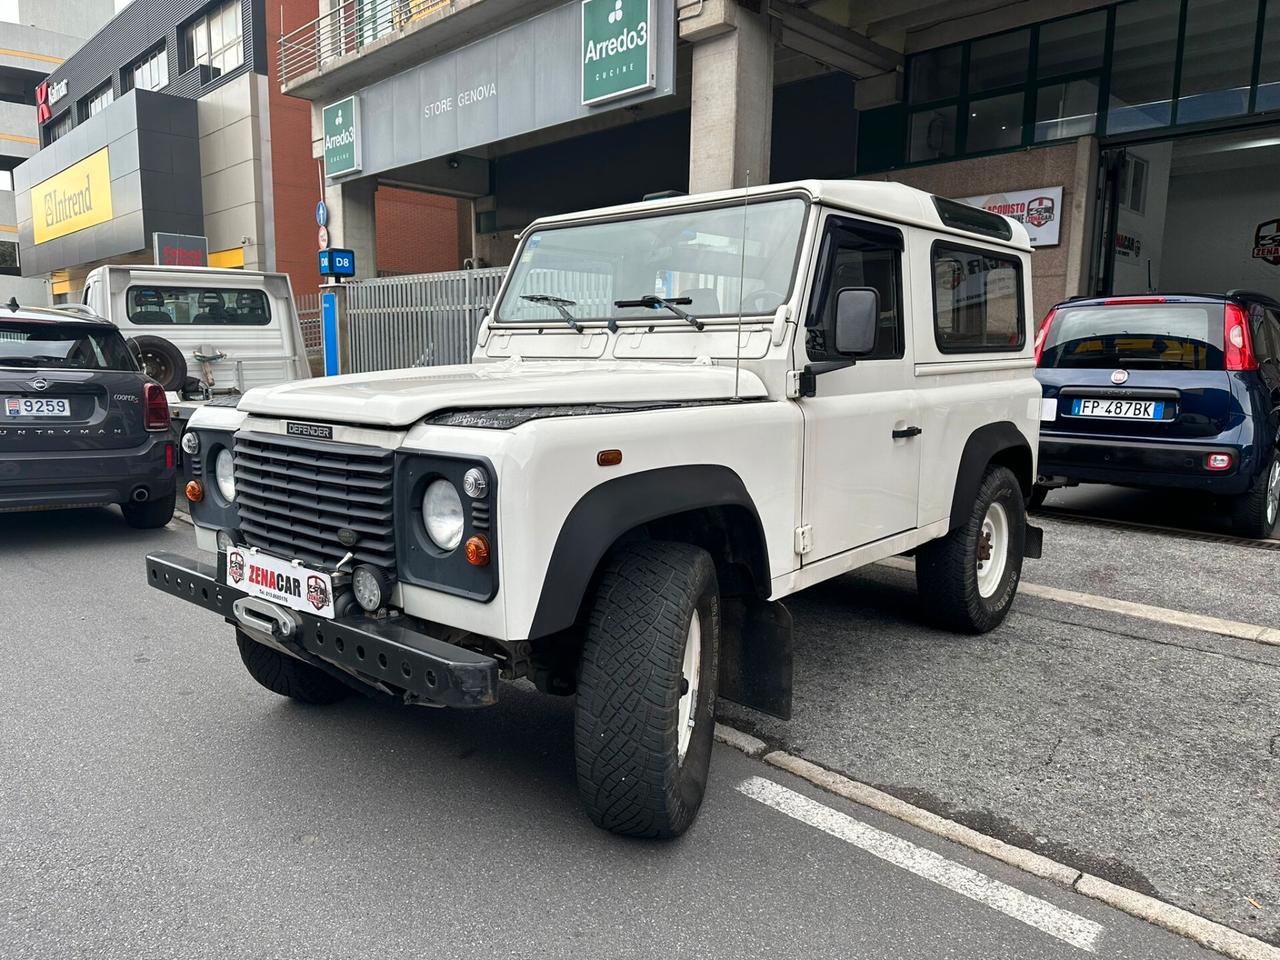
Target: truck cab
x: 679, y: 413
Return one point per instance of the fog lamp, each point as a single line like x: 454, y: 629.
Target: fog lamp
x: 372, y: 587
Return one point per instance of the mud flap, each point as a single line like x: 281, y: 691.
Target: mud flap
x: 756, y: 643
x: 1034, y: 544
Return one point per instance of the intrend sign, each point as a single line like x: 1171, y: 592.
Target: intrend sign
x: 342, y: 138
x: 617, y: 49
x: 76, y: 198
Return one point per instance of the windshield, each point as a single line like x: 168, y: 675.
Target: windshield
x: 62, y: 346
x: 693, y: 254
x: 1163, y: 336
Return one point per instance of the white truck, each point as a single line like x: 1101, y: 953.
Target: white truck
x: 679, y: 413
x: 201, y: 332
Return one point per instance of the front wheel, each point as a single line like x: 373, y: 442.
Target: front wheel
x: 969, y: 578
x: 1256, y: 513
x: 287, y: 675
x: 647, y: 685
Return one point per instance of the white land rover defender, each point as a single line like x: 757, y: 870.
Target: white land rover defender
x: 679, y: 413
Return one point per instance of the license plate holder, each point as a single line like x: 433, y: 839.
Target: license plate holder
x: 37, y: 407
x: 1102, y: 408
x: 282, y: 582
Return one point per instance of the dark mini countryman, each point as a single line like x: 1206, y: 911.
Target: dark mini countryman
x: 80, y: 424
x: 1166, y: 391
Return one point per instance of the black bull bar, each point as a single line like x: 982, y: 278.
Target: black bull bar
x: 385, y: 652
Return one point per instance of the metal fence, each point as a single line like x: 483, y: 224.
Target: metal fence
x: 418, y: 320
x: 308, y: 305
x: 346, y: 29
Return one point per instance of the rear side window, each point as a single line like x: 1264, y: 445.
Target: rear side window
x: 62, y: 346
x: 977, y: 300
x: 197, y: 306
x: 1157, y: 336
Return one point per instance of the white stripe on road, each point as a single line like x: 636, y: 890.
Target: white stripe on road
x: 1128, y: 608
x: 1062, y: 924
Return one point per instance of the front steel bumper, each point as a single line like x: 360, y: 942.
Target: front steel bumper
x: 381, y: 652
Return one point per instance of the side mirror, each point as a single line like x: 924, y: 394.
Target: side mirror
x: 857, y: 316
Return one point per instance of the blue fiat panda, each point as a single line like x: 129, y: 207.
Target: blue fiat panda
x: 1165, y: 391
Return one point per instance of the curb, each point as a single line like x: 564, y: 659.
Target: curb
x: 1207, y: 933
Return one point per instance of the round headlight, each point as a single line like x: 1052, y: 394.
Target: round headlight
x: 191, y: 442
x: 475, y: 483
x: 224, y: 473
x: 442, y: 514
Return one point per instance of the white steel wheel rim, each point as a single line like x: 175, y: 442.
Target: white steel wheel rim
x: 689, y: 672
x: 993, y: 550
x: 1273, y: 493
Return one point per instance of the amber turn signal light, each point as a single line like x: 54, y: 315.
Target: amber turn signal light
x: 478, y: 551
x: 195, y: 491
x: 609, y: 458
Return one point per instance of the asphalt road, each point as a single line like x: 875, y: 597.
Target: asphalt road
x: 156, y: 803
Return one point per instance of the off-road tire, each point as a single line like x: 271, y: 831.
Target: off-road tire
x: 162, y: 361
x: 946, y: 569
x: 1249, y: 511
x: 150, y: 514
x: 287, y: 676
x: 630, y: 777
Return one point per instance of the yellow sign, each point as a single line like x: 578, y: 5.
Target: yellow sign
x: 78, y: 197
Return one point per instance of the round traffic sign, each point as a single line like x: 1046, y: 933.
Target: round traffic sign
x: 322, y: 237
x: 322, y: 214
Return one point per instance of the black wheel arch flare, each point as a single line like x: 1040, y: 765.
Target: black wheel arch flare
x: 1000, y: 442
x: 611, y: 509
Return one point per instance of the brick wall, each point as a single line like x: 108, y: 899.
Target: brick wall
x: 295, y: 178
x: 417, y: 232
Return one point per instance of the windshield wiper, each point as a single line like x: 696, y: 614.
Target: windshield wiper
x: 559, y: 304
x: 654, y: 303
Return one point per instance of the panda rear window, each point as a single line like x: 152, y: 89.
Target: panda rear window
x: 197, y: 306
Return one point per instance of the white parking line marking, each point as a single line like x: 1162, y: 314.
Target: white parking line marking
x: 1066, y: 926
x: 1128, y: 608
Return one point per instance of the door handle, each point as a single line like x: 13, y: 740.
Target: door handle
x: 906, y: 433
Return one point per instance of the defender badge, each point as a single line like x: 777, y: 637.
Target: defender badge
x: 348, y: 537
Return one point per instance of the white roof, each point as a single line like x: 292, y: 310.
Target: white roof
x: 896, y: 202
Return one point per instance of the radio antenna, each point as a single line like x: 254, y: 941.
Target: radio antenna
x: 742, y: 275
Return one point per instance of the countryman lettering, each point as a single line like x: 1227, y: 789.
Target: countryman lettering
x: 66, y: 206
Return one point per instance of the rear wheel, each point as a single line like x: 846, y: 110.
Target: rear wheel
x: 288, y: 676
x: 1256, y: 513
x: 150, y: 514
x: 647, y: 687
x: 968, y: 578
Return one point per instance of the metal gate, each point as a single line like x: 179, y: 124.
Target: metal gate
x: 418, y: 320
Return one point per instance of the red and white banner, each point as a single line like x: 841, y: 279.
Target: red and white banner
x: 1040, y: 211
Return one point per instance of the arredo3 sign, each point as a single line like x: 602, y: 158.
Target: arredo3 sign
x: 562, y: 65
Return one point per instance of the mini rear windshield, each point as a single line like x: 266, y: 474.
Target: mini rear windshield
x: 62, y: 346
x: 197, y: 306
x: 1156, y: 336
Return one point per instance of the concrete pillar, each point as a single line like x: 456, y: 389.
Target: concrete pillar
x: 732, y: 116
x: 353, y: 222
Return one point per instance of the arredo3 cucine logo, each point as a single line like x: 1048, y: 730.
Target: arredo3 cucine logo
x: 630, y: 38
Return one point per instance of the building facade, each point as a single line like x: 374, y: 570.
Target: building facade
x: 168, y: 121
x: 36, y: 36
x: 1136, y: 139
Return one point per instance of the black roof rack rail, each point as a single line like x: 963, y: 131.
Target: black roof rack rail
x: 1242, y: 294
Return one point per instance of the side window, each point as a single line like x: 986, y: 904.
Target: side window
x: 856, y: 254
x: 1272, y: 352
x: 197, y: 306
x: 1258, y: 331
x: 977, y: 300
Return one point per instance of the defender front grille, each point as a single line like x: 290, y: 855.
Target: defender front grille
x: 295, y: 495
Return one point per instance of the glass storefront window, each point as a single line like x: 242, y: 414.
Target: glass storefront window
x: 935, y: 75
x: 1144, y: 52
x: 1074, y: 45
x: 1067, y: 109
x: 994, y: 123
x: 999, y: 61
x: 1217, y: 59
x: 933, y: 134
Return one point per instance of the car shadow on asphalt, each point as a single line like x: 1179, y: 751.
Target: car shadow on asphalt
x: 86, y: 527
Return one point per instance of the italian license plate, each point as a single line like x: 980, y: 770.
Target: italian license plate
x: 1118, y: 409
x: 37, y: 407
x: 280, y: 581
